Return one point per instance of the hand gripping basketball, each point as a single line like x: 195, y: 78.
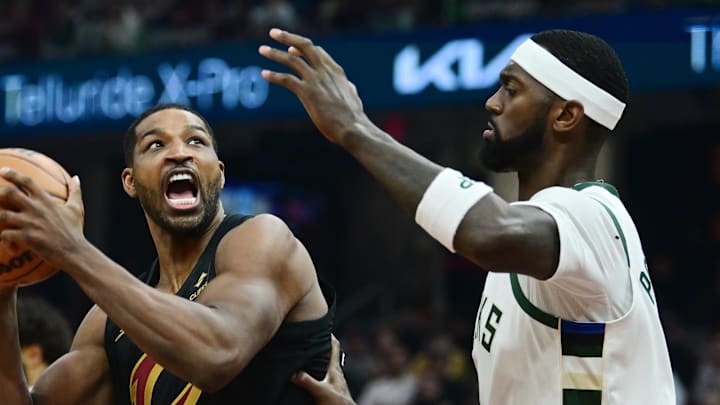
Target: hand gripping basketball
x: 41, y: 216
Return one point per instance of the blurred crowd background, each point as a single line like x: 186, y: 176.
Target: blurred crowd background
x: 406, y: 306
x: 66, y: 28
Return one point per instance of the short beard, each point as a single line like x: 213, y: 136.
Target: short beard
x: 193, y: 226
x: 512, y: 154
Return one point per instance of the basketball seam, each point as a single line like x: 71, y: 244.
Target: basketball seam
x: 26, y: 272
x: 51, y: 175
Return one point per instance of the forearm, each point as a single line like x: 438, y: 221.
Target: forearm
x: 182, y: 336
x: 403, y: 172
x: 13, y: 389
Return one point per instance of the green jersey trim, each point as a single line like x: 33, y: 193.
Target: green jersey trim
x: 621, y: 235
x: 534, y: 312
x: 606, y: 186
x: 538, y: 314
x: 581, y: 397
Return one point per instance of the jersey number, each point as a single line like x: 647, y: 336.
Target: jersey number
x: 142, y: 383
x: 491, y: 325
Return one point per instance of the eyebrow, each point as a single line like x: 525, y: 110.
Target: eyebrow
x: 506, y: 77
x: 155, y: 131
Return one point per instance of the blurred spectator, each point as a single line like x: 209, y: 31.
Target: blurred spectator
x: 707, y: 383
x: 445, y: 370
x: 431, y: 391
x: 223, y: 17
x: 54, y: 28
x: 341, y: 15
x: 123, y: 27
x: 477, y: 10
x: 393, y: 15
x: 20, y: 29
x: 273, y: 13
x: 396, y: 385
x: 45, y: 335
x: 61, y: 30
x: 360, y: 364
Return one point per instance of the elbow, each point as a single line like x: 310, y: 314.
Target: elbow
x: 494, y: 248
x: 215, y: 375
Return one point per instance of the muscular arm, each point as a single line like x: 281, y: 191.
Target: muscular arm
x: 79, y: 377
x: 491, y: 233
x: 263, y: 271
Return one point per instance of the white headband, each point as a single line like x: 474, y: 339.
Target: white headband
x: 544, y: 67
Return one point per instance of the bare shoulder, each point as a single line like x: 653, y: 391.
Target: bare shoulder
x: 264, y: 250
x: 264, y: 238
x: 264, y: 228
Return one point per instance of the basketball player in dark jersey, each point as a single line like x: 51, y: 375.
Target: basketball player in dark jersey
x: 230, y: 309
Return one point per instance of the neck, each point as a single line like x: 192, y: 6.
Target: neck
x: 556, y: 172
x: 178, y: 254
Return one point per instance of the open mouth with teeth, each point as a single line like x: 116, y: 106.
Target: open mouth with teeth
x: 181, y: 191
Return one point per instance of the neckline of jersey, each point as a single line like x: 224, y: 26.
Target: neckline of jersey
x: 599, y: 183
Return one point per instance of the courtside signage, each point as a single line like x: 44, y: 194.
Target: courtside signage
x: 458, y: 65
x: 660, y: 51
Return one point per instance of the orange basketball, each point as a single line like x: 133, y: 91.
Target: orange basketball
x: 25, y: 267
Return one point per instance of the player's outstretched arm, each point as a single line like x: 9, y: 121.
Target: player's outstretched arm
x: 79, y: 377
x: 333, y: 389
x: 492, y: 231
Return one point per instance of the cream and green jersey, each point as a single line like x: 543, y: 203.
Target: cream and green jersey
x: 591, y: 333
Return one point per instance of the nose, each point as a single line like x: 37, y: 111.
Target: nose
x: 493, y: 104
x: 179, y: 152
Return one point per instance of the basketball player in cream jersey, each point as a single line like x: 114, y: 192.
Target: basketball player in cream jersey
x: 568, y: 314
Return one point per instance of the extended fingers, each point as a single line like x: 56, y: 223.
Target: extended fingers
x: 286, y: 80
x: 328, y: 60
x: 301, y: 43
x: 292, y: 60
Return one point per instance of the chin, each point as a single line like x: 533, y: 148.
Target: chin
x: 188, y: 226
x: 496, y: 165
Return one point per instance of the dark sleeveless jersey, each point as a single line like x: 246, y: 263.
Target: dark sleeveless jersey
x: 138, y: 380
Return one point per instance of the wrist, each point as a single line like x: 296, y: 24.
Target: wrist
x: 360, y: 133
x: 74, y: 260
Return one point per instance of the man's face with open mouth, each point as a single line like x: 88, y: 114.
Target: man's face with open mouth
x: 176, y: 172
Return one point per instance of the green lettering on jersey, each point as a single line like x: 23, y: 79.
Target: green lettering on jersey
x: 645, y: 281
x: 491, y: 327
x: 478, y: 322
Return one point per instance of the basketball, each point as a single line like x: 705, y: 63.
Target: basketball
x: 24, y: 267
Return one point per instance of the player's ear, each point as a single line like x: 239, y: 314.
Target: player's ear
x: 128, y: 182
x: 222, y: 174
x: 570, y: 115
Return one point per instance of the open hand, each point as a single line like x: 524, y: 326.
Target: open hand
x: 329, y: 97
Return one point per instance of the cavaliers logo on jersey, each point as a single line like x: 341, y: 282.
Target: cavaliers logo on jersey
x: 143, y: 378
